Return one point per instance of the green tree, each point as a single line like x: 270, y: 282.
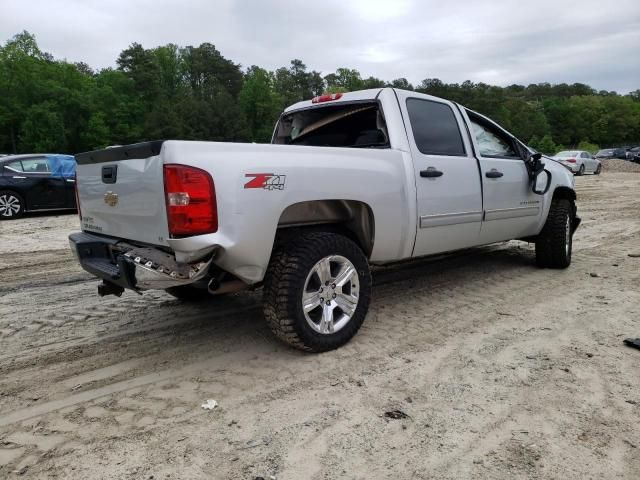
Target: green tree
x: 545, y: 145
x: 260, y: 104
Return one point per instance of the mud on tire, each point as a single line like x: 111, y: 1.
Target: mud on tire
x: 289, y: 271
x: 555, y: 242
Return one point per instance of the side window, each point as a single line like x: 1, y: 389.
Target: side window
x: 492, y: 142
x: 435, y: 128
x: 36, y: 165
x: 15, y: 166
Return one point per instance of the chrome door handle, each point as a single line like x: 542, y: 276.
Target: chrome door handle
x: 19, y: 177
x: 71, y: 180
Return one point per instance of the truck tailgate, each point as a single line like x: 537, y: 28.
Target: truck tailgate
x: 121, y: 192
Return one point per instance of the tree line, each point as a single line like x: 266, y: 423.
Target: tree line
x: 195, y: 93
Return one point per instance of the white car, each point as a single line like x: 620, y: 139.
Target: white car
x: 351, y: 180
x: 579, y: 162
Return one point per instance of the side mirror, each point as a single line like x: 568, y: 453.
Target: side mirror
x: 541, y: 182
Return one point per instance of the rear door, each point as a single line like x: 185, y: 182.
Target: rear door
x: 449, y: 196
x: 511, y: 209
x: 47, y: 191
x: 31, y: 177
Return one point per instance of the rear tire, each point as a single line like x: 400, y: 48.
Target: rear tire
x: 554, y: 244
x: 317, y: 291
x: 581, y: 170
x: 189, y: 293
x: 11, y: 205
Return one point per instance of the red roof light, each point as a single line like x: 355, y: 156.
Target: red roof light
x: 326, y: 98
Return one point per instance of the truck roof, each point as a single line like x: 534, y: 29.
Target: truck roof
x: 370, y: 94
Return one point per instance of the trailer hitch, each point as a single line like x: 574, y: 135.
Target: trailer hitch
x: 108, y: 288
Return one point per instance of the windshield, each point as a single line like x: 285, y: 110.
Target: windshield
x: 356, y: 125
x: 605, y: 152
x: 567, y: 154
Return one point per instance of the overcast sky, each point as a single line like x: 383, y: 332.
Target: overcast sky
x: 499, y: 42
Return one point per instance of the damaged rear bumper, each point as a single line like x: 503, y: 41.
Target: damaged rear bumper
x: 137, y: 268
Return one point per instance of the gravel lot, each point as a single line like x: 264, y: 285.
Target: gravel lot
x: 503, y: 370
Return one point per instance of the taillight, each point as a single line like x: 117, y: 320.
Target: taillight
x: 75, y: 189
x: 326, y: 98
x: 190, y: 196
x: 571, y: 160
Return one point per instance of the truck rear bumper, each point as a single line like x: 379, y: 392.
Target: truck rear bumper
x: 136, y: 268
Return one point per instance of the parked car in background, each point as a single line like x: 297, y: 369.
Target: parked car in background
x: 605, y: 153
x: 579, y: 162
x: 633, y: 154
x: 621, y: 153
x: 36, y: 182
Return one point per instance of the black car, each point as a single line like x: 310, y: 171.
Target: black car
x: 605, y: 153
x: 620, y: 152
x: 633, y: 154
x: 36, y: 182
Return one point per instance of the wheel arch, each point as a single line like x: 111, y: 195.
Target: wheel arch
x: 565, y: 192
x: 352, y: 218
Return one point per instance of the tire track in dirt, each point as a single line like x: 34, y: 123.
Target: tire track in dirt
x: 445, y: 336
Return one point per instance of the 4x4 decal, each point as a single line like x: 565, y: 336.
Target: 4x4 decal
x: 267, y: 181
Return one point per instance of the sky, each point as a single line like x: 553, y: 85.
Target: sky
x: 499, y: 42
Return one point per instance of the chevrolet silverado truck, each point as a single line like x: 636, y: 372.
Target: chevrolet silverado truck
x: 350, y: 180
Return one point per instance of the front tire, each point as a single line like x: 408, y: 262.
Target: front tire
x: 11, y: 205
x: 554, y: 244
x: 317, y: 291
x: 598, y: 170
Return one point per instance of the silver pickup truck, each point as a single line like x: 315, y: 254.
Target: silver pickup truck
x: 350, y: 180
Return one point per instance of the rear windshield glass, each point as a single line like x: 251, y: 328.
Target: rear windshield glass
x: 357, y: 125
x: 567, y: 154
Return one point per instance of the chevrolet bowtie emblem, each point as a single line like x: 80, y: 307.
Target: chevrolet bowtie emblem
x: 111, y: 198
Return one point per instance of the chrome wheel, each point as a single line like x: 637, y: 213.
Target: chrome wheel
x: 330, y: 294
x: 9, y: 205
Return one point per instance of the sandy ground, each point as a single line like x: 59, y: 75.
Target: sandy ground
x: 503, y: 370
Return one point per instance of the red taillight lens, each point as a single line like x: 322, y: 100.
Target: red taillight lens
x: 571, y: 160
x: 326, y: 98
x: 191, y: 201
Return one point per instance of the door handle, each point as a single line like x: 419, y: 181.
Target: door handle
x: 71, y: 180
x: 493, y: 173
x: 431, y: 172
x: 19, y: 177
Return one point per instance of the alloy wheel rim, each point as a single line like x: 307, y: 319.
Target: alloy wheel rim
x: 330, y: 294
x: 9, y: 205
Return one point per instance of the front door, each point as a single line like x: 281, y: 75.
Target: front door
x: 449, y: 196
x: 511, y: 209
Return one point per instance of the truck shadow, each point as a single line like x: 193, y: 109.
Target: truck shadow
x: 233, y: 317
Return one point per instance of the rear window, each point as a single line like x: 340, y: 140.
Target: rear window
x: 356, y: 125
x: 435, y: 128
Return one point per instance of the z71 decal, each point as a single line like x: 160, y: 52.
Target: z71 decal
x: 266, y: 181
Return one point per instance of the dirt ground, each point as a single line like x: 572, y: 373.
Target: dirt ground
x: 502, y: 369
